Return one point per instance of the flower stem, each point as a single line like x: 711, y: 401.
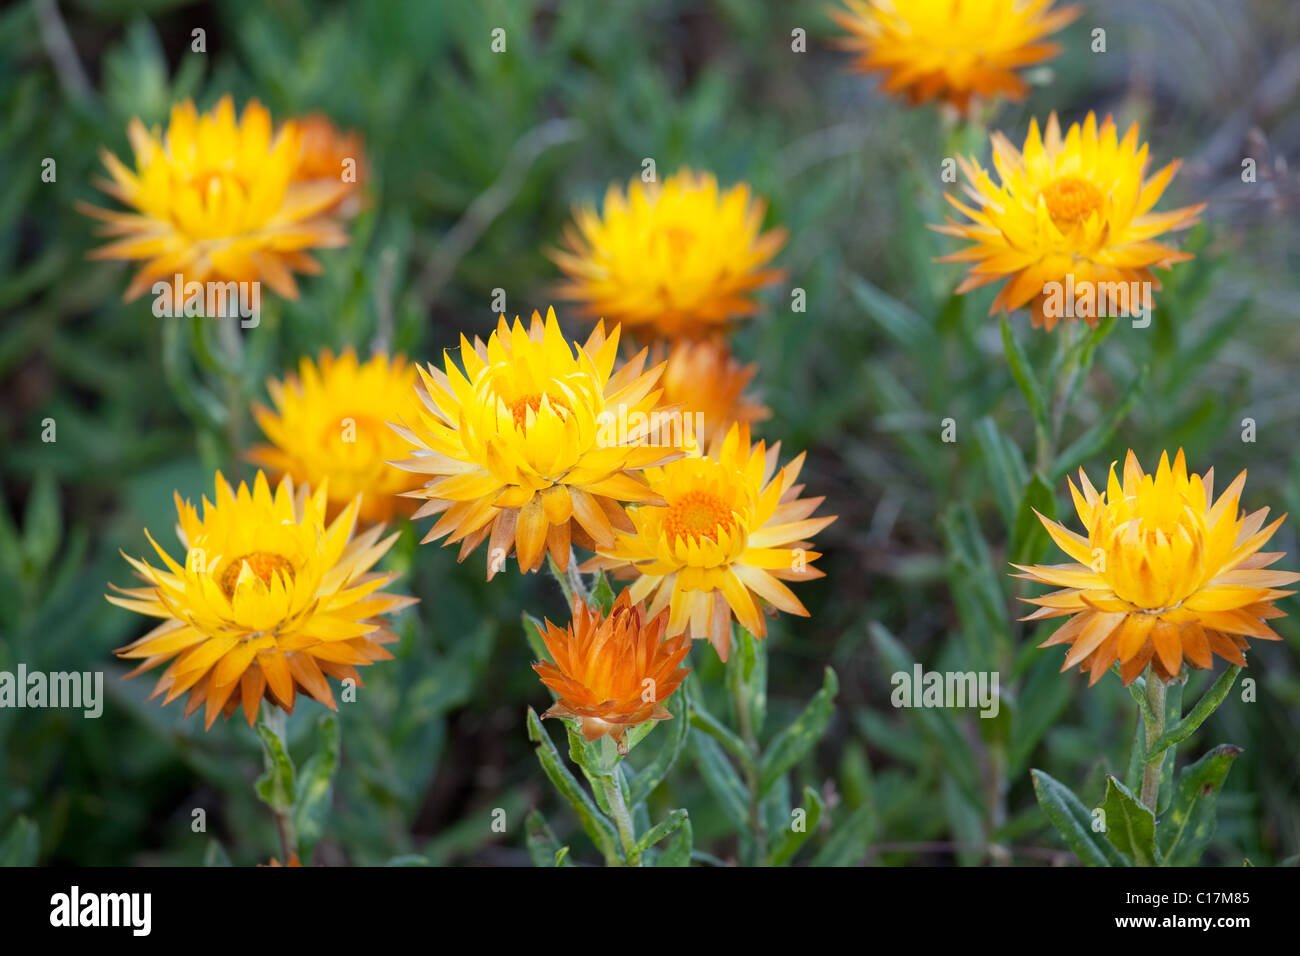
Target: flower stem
x: 622, y: 818
x: 745, y: 720
x: 234, y: 348
x: 570, y: 579
x: 1155, y: 727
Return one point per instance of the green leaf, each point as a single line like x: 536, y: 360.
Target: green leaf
x: 722, y: 780
x: 1099, y: 435
x: 899, y: 321
x: 670, y: 747
x: 785, y: 846
x: 42, y: 523
x: 747, y: 674
x: 665, y: 827
x: 1130, y: 825
x: 1004, y: 464
x: 1023, y: 373
x: 792, y: 743
x: 602, y: 594
x: 1186, y: 828
x: 1073, y: 821
x: 215, y: 854
x: 1029, y: 538
x: 533, y: 634
x: 276, y: 784
x: 678, y: 850
x: 849, y: 841
x: 21, y: 844
x: 705, y: 721
x: 543, y: 847
x: 1207, y: 705
x: 407, y: 859
x: 315, y: 785
x: 593, y: 821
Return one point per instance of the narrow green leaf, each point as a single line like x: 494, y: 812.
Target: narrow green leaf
x: 650, y: 776
x: 1029, y: 538
x: 593, y: 821
x: 276, y: 785
x: 665, y: 827
x: 849, y: 840
x: 215, y: 854
x: 543, y: 847
x: 1130, y: 826
x: 792, y: 743
x: 899, y: 321
x: 1099, y: 435
x: 315, y: 786
x: 602, y: 593
x: 21, y: 844
x: 1024, y: 375
x: 1005, y: 466
x: 722, y: 780
x: 1207, y: 705
x: 42, y: 523
x: 678, y: 850
x: 1073, y: 821
x: 1187, y: 827
x: 747, y: 674
x: 800, y: 827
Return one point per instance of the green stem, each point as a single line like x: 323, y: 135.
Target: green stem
x: 1155, y: 727
x: 234, y: 348
x: 570, y: 579
x: 745, y: 720
x: 622, y: 818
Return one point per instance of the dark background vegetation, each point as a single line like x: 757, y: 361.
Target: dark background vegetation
x: 585, y: 92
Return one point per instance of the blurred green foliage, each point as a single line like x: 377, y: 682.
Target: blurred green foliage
x: 916, y: 564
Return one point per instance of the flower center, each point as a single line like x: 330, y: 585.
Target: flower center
x: 262, y: 563
x: 698, y: 514
x: 1070, y: 200
x: 679, y: 239
x: 355, y: 434
x: 519, y: 407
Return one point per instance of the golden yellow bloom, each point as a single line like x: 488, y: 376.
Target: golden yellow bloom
x: 1166, y: 574
x: 535, y: 443
x: 1074, y: 211
x: 677, y: 259
x: 611, y: 672
x: 270, y: 600
x: 705, y: 379
x: 275, y: 862
x: 331, y: 155
x: 729, y: 531
x: 330, y: 423
x: 951, y: 50
x: 215, y: 199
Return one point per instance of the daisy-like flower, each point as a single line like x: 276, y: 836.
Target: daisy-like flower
x: 670, y: 260
x: 329, y: 154
x: 329, y: 422
x: 730, y: 531
x: 707, y: 381
x: 612, y: 672
x: 1074, y: 212
x: 216, y: 199
x: 271, y: 600
x: 535, y: 443
x: 951, y: 50
x: 1166, y: 574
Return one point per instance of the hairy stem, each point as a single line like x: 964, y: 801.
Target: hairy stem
x: 1155, y: 727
